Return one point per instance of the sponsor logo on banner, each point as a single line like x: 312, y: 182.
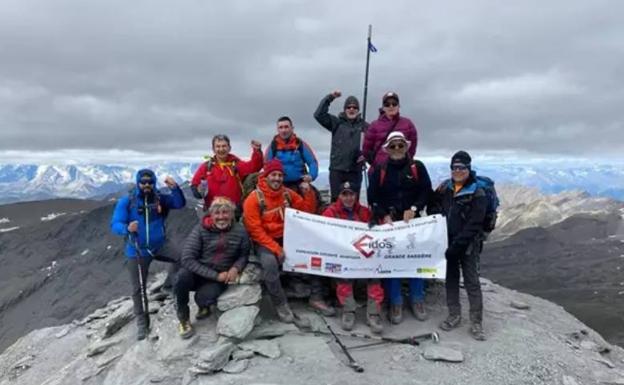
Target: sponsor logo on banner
x: 333, y: 267
x: 366, y: 245
x: 300, y: 266
x: 380, y: 270
x: 354, y: 269
x: 431, y: 270
x: 316, y: 263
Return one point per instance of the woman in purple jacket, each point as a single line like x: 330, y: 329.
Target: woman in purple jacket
x: 389, y: 120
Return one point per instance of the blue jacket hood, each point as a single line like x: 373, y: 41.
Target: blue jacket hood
x: 146, y: 171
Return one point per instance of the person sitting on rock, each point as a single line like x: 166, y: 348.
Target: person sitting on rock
x: 400, y: 189
x: 464, y: 204
x: 214, y: 254
x: 140, y: 217
x: 348, y: 207
x: 264, y: 219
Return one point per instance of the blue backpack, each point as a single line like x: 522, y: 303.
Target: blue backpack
x: 491, y: 214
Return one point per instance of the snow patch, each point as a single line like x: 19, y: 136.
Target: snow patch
x: 9, y: 229
x: 5, y: 220
x: 51, y: 216
x: 108, y: 247
x: 85, y: 252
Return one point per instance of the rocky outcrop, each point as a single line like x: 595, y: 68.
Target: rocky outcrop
x: 539, y: 344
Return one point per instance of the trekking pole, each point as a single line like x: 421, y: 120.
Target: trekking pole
x: 134, y: 238
x: 369, y: 48
x: 413, y: 340
x: 352, y: 362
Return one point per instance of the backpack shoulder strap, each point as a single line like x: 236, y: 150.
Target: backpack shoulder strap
x: 414, y: 170
x: 288, y: 198
x: 209, y: 163
x: 261, y: 202
x: 382, y: 173
x: 274, y: 147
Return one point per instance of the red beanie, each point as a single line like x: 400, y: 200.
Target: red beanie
x: 272, y: 165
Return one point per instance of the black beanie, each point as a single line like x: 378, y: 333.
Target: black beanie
x: 351, y: 101
x: 461, y: 157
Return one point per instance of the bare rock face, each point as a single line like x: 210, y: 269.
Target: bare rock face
x: 239, y: 295
x: 266, y: 348
x: 237, y: 323
x: 214, y: 358
x: 441, y: 353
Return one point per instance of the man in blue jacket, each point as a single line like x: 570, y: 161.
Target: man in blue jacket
x: 298, y: 159
x: 140, y: 217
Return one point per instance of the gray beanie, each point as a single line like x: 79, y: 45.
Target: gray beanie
x: 350, y: 101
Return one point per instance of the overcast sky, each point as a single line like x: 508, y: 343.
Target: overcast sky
x: 109, y: 80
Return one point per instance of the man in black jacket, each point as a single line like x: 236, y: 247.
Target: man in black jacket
x: 464, y: 204
x: 214, y: 254
x: 345, y: 160
x: 400, y: 189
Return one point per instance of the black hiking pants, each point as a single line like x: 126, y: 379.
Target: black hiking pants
x: 469, y: 264
x: 206, y: 291
x: 336, y: 178
x: 169, y: 253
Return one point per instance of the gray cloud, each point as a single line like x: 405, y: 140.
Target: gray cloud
x: 158, y: 76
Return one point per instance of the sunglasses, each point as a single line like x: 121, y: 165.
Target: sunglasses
x: 146, y: 182
x: 352, y: 108
x: 398, y: 146
x: 391, y: 104
x: 459, y: 168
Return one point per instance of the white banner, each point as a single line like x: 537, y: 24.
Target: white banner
x: 339, y: 248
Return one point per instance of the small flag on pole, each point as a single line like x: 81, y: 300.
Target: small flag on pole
x: 371, y: 47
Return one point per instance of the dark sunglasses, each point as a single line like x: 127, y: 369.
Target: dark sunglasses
x: 391, y: 104
x: 146, y: 182
x: 459, y: 168
x: 398, y: 146
x: 352, y: 108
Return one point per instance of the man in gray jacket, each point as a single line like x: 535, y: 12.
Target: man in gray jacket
x: 214, y: 254
x: 345, y: 160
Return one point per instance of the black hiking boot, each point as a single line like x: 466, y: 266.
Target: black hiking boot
x: 202, y: 313
x: 143, y: 325
x: 395, y: 314
x: 451, y: 322
x: 476, y: 330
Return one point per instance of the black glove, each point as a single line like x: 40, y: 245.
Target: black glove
x: 196, y: 192
x: 372, y: 222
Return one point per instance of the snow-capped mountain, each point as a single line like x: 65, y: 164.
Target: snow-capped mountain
x: 27, y: 182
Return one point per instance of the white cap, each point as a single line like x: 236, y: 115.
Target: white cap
x: 396, y: 135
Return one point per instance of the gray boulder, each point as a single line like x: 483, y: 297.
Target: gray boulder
x: 214, y: 358
x: 267, y: 348
x: 441, y: 353
x: 239, y: 295
x: 237, y: 323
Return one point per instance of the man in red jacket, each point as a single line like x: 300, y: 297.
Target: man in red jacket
x: 348, y: 207
x: 389, y: 120
x: 224, y: 172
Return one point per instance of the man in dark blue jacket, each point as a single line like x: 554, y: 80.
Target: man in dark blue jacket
x: 140, y: 217
x: 464, y: 203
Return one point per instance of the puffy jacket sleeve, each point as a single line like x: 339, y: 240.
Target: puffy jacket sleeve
x: 254, y: 164
x: 374, y: 195
x: 424, y: 192
x: 253, y: 223
x: 368, y: 147
x: 243, y: 250
x: 323, y: 117
x: 329, y: 212
x: 175, y: 200
x: 200, y: 174
x: 310, y: 159
x: 192, y: 252
x: 307, y: 203
x: 120, y: 220
x: 412, y: 136
x: 474, y: 222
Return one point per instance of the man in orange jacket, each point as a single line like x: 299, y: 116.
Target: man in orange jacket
x: 264, y: 219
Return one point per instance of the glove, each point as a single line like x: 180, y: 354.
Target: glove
x: 372, y: 222
x: 196, y: 192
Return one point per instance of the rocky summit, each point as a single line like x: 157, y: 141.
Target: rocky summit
x: 529, y: 341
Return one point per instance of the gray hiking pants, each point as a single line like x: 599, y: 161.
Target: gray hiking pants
x: 469, y: 264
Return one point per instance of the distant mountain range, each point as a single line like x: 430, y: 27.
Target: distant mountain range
x: 28, y: 182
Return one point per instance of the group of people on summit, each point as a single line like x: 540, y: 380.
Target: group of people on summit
x: 217, y: 249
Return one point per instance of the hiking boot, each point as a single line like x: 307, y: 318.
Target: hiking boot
x: 202, y: 313
x: 374, y: 323
x: 284, y: 313
x: 451, y: 322
x: 322, y: 306
x: 476, y: 330
x: 185, y: 329
x: 418, y: 309
x: 348, y: 320
x: 396, y: 314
